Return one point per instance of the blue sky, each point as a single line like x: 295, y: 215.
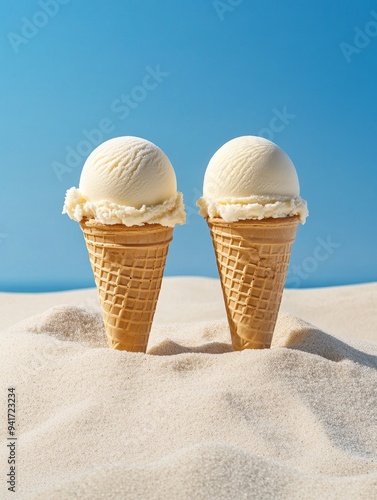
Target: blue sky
x: 298, y: 73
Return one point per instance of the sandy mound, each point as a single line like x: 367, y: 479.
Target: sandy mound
x: 190, y: 420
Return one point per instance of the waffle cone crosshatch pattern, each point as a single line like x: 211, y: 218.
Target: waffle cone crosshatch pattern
x: 252, y: 259
x: 128, y: 264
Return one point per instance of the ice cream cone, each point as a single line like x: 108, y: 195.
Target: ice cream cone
x: 252, y: 259
x: 128, y: 264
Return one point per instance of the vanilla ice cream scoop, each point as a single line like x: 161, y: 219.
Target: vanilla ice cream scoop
x: 251, y: 178
x: 127, y: 180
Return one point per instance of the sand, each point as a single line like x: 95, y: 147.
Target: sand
x: 191, y: 419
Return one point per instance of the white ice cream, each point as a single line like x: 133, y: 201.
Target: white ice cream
x: 127, y: 180
x: 251, y: 178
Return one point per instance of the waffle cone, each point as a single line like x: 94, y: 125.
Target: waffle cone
x: 128, y: 264
x: 252, y: 259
